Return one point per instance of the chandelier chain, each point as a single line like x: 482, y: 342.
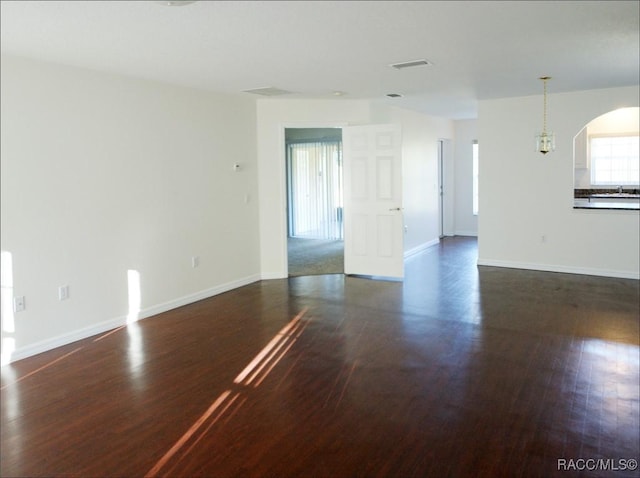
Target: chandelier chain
x: 544, y: 103
x: 544, y: 111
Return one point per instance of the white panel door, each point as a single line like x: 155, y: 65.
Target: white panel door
x: 373, y: 222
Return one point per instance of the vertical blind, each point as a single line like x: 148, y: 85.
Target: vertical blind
x: 314, y: 172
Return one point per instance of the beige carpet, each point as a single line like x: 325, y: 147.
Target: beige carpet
x: 315, y: 256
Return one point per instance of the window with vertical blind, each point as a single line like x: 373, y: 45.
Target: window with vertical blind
x: 614, y: 160
x: 314, y: 173
x: 475, y: 177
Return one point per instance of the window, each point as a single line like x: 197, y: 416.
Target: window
x: 614, y: 160
x: 475, y: 177
x: 315, y: 189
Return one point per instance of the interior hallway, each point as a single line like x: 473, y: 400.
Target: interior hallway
x: 459, y: 371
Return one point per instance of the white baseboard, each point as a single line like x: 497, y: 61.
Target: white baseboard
x: 65, y: 339
x: 70, y: 337
x: 557, y: 268
x: 191, y: 298
x: 272, y: 275
x: 467, y: 233
x: 421, y: 248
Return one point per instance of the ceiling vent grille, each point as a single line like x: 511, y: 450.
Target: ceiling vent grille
x: 175, y: 3
x: 268, y: 91
x: 411, y: 64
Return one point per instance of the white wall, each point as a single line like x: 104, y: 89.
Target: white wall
x: 103, y: 174
x: 466, y: 223
x: 525, y: 195
x: 420, y: 134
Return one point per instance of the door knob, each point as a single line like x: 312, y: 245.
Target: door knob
x: 395, y: 209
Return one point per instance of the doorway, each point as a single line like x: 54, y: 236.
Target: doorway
x: 314, y: 201
x: 440, y: 188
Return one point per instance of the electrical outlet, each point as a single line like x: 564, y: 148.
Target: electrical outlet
x: 19, y: 304
x: 195, y: 261
x: 63, y: 292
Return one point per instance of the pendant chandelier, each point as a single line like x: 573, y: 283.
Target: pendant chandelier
x: 545, y: 141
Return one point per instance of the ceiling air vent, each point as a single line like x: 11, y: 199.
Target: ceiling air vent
x: 175, y: 3
x: 411, y: 64
x: 268, y: 91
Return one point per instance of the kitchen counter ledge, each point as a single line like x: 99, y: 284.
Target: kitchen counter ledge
x: 627, y: 205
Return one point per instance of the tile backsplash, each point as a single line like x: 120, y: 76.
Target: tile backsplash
x: 585, y: 193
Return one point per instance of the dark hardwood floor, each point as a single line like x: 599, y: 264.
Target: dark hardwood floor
x: 459, y: 371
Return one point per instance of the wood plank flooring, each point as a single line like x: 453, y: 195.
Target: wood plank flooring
x: 459, y: 371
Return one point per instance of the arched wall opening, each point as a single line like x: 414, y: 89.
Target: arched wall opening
x: 606, y: 159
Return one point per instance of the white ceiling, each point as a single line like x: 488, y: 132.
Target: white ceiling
x: 479, y: 50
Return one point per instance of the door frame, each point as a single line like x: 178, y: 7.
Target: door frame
x: 446, y: 189
x: 284, y: 232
